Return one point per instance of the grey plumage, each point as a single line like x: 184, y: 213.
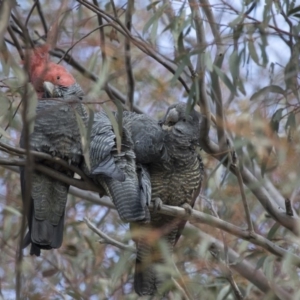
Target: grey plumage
x: 117, y: 172
x: 147, y: 136
x: 55, y: 132
x: 176, y: 180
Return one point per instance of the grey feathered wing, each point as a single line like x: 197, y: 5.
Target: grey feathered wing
x: 116, y: 172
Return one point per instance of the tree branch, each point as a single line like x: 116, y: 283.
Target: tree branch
x: 259, y: 191
x: 43, y: 20
x: 107, y: 239
x: 226, y: 268
x: 241, y: 266
x: 200, y: 81
x: 245, y: 203
x: 41, y: 155
x: 102, y: 36
x: 244, y: 268
x: 196, y: 216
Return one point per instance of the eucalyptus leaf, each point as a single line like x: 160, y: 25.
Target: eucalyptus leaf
x: 294, y: 11
x: 260, y: 262
x: 152, y: 5
x: 273, y: 230
x: 234, y: 65
x: 5, y: 104
x: 291, y: 121
x: 4, y: 133
x: 253, y: 52
x: 208, y: 61
x: 115, y: 126
x: 97, y: 87
x: 84, y: 139
x: 268, y: 89
x: 225, y: 79
x: 179, y: 70
x: 154, y: 18
x: 12, y: 210
x: 121, y: 266
x: 32, y: 101
x: 275, y: 120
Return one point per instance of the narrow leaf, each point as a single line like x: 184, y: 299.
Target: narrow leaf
x: 294, y: 10
x: 268, y: 89
x: 12, y: 210
x: 154, y: 18
x: 291, y: 121
x: 234, y: 65
x: 253, y: 52
x: 208, y: 61
x: 4, y: 104
x: 260, y: 262
x: 154, y: 28
x: 115, y: 126
x: 31, y: 106
x: 4, y: 133
x: 152, y: 5
x: 84, y: 139
x: 225, y: 79
x: 275, y: 120
x: 273, y: 230
x: 183, y: 64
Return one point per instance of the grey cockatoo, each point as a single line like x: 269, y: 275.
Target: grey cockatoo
x: 176, y: 172
x: 56, y: 132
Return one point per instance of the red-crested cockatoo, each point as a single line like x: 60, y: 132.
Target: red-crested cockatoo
x: 56, y: 132
x: 41, y: 69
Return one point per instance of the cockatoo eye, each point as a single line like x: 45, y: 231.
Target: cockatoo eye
x: 58, y: 77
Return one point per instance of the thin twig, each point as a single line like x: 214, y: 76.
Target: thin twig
x: 108, y: 239
x: 130, y: 78
x: 42, y: 17
x: 42, y: 155
x: 288, y: 207
x: 85, y: 72
x: 277, y: 29
x: 143, y: 46
x: 275, y: 23
x: 85, y: 185
x: 13, y: 116
x: 28, y: 175
x: 28, y: 41
x: 181, y: 289
x: 16, y: 42
x: 245, y: 203
x: 29, y: 14
x: 226, y: 269
x: 102, y: 35
x: 99, y: 27
x: 289, y: 22
x: 114, y: 8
